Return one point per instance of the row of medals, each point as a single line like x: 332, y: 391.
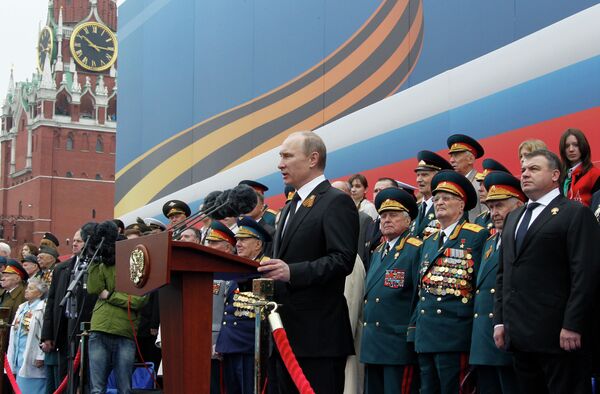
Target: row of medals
x: 243, y: 303
x: 455, y: 276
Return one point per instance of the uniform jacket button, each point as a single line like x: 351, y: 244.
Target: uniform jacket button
x: 422, y: 298
x: 477, y: 291
x: 476, y: 316
x: 422, y: 311
x: 491, y: 315
x: 364, y: 324
x: 492, y: 291
x: 376, y: 324
x: 377, y: 299
x: 439, y: 311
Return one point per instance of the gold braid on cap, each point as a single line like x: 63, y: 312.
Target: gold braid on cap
x: 502, y: 192
x: 391, y: 205
x: 451, y: 187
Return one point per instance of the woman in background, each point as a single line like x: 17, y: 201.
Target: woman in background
x: 581, y: 176
x: 24, y: 354
x: 358, y: 191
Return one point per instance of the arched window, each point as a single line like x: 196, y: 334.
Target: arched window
x: 87, y: 108
x: 69, y: 174
x: 63, y: 104
x: 70, y: 144
x: 99, y: 145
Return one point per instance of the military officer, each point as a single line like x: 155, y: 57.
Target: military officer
x: 268, y: 214
x: 236, y: 339
x: 176, y: 211
x: 463, y: 151
x: 484, y: 219
x: 390, y: 291
x: 449, y: 263
x: 494, y: 367
x: 429, y: 164
x: 49, y: 239
x: 220, y: 237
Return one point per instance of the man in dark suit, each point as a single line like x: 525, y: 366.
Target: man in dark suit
x: 62, y: 323
x: 314, y: 250
x: 546, y: 283
x: 494, y: 367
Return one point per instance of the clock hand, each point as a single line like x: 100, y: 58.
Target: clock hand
x: 105, y: 48
x: 91, y: 43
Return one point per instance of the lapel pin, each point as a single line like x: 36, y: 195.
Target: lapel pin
x: 554, y: 211
x: 430, y: 216
x: 309, y: 201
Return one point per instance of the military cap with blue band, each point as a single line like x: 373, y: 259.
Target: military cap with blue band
x: 250, y: 228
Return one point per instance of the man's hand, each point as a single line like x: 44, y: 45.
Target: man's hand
x: 104, y: 294
x: 499, y: 336
x: 47, y: 346
x: 569, y: 340
x: 275, y: 269
x: 38, y: 363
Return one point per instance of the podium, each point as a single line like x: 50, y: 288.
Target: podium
x: 183, y: 272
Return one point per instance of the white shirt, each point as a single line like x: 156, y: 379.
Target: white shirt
x: 305, y: 190
x: 428, y: 203
x: 392, y: 242
x: 543, y: 201
x: 449, y: 230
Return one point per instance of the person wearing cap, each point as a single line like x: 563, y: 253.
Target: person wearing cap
x: 268, y: 216
x: 390, y: 290
x: 463, y: 151
x: 156, y: 226
x: 236, y: 338
x: 49, y: 240
x: 218, y: 237
x: 12, y: 279
x: 176, y: 211
x: 47, y: 258
x: 258, y: 214
x: 450, y: 260
x: 429, y: 164
x: 493, y: 367
x: 31, y: 265
x: 484, y: 219
x: 547, y: 283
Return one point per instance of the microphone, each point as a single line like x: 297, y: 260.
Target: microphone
x: 208, y: 206
x: 237, y: 201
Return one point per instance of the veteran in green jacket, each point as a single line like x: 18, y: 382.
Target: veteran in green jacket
x: 493, y: 367
x: 390, y: 292
x: 449, y: 262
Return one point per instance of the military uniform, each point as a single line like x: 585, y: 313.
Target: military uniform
x: 494, y: 366
x: 484, y: 219
x: 444, y: 312
x: 390, y: 292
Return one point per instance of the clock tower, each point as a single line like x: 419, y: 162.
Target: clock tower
x: 57, y: 137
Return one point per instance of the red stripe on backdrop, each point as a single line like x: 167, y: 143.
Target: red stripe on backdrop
x: 502, y: 147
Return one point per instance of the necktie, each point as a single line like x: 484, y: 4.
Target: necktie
x: 522, y: 230
x: 386, y: 250
x: 292, y: 211
x: 442, y: 238
x: 422, y: 212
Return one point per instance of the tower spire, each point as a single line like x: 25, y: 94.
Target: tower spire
x: 59, y: 34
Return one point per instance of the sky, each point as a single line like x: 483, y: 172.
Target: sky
x: 19, y: 26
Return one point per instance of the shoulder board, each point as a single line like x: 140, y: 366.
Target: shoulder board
x: 273, y: 211
x: 482, y: 214
x: 380, y: 246
x: 472, y: 227
x: 414, y: 241
x: 433, y: 233
x: 491, y: 236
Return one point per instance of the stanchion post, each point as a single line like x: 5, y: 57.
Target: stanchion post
x: 264, y: 289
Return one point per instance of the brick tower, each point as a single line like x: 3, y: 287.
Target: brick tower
x: 57, y: 138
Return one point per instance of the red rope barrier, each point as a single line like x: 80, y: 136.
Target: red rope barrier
x: 11, y: 376
x: 287, y: 355
x: 65, y: 381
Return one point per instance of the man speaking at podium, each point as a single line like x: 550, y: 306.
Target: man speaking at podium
x: 314, y: 250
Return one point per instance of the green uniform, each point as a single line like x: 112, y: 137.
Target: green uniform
x: 495, y: 372
x: 390, y: 292
x: 424, y: 224
x: 484, y: 219
x: 444, y: 312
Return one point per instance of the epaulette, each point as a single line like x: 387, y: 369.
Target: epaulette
x: 473, y: 227
x: 414, y: 241
x: 432, y: 233
x: 380, y: 246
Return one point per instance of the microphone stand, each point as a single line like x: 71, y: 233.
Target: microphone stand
x: 76, y: 283
x: 179, y: 228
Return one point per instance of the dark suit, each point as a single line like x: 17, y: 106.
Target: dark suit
x: 546, y: 286
x: 319, y: 245
x: 495, y: 372
x: 56, y: 326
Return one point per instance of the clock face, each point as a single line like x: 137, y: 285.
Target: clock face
x: 45, y: 46
x: 94, y: 46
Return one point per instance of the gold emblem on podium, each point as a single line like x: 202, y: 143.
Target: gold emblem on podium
x: 139, y: 266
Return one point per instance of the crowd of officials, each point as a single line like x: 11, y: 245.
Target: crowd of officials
x: 469, y: 282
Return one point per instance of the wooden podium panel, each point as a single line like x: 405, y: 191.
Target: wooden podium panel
x: 184, y: 273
